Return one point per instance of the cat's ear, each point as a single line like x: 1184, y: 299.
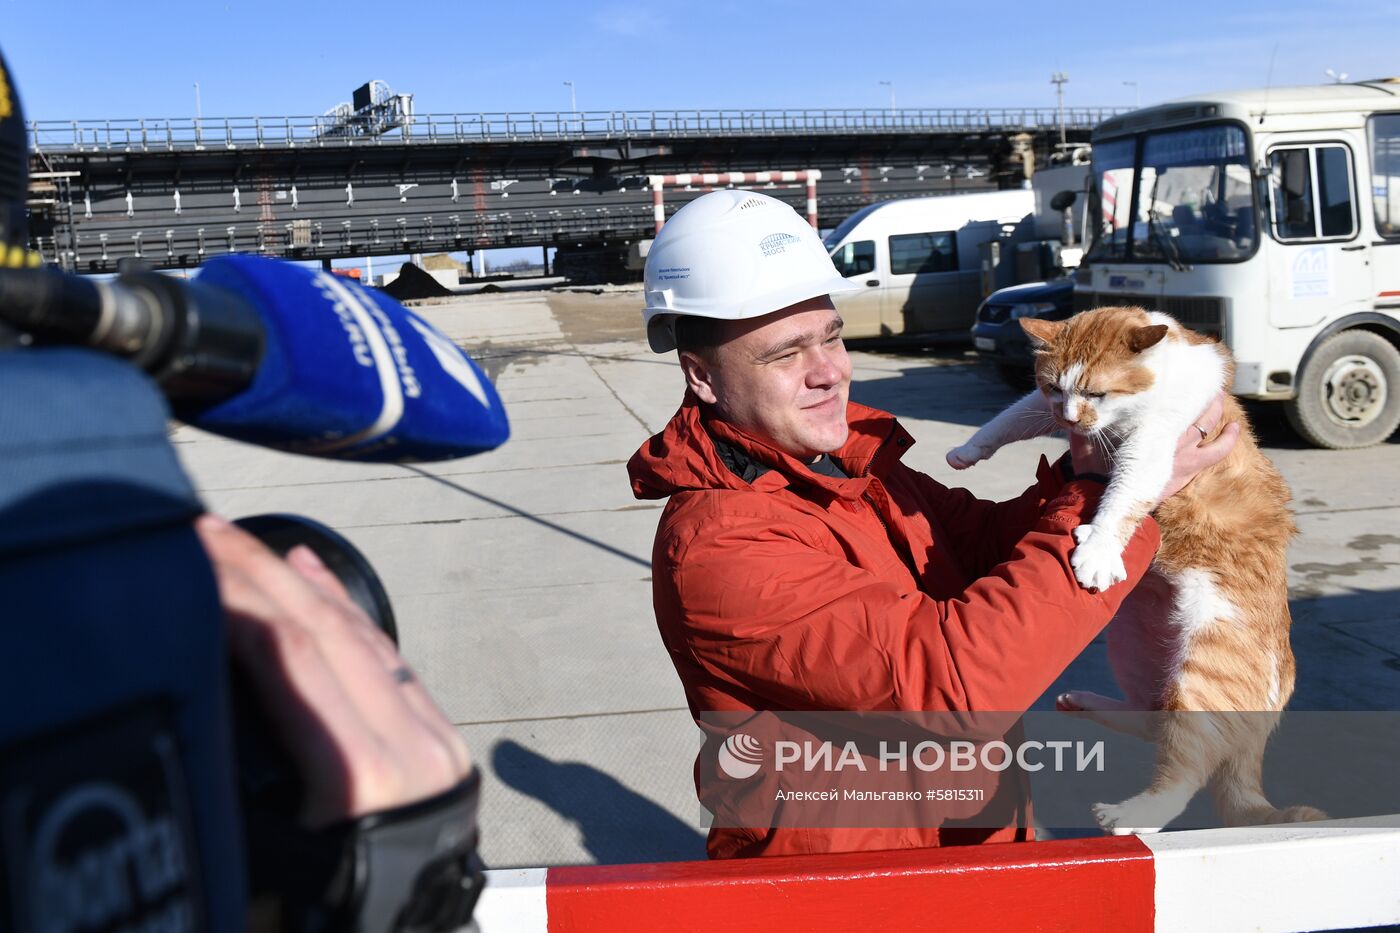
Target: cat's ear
x: 1042, y: 333
x: 1145, y: 337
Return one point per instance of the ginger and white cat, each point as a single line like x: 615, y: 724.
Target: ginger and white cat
x: 1204, y: 636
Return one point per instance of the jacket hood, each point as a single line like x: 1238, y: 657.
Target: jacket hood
x: 686, y: 455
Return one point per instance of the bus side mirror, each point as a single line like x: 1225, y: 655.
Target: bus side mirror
x: 1063, y: 200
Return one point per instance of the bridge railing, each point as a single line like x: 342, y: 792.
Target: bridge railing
x: 186, y: 133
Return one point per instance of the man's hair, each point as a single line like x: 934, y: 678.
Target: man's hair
x: 698, y: 335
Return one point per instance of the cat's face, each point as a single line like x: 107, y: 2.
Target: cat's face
x: 1094, y: 368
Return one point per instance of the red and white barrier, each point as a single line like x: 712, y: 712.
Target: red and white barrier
x: 712, y: 179
x: 1335, y: 875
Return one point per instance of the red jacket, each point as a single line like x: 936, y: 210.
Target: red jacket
x: 777, y: 588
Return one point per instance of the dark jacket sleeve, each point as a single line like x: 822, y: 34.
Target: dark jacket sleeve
x: 765, y: 606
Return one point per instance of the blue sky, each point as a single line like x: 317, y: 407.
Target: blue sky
x: 82, y: 59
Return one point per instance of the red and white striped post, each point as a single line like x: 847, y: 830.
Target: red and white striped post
x: 1305, y: 876
x: 714, y: 179
x: 658, y: 203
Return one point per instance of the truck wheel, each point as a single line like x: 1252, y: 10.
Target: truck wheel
x: 1349, y: 392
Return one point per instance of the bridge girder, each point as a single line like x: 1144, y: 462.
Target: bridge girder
x: 317, y: 202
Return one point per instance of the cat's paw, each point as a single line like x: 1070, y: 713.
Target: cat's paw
x: 1117, y: 820
x: 1098, y: 560
x: 960, y: 458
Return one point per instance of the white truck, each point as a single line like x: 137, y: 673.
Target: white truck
x: 1272, y: 219
x: 920, y: 260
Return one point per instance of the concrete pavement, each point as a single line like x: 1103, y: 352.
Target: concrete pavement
x: 521, y: 577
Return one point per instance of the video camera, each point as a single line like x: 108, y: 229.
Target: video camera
x: 140, y: 789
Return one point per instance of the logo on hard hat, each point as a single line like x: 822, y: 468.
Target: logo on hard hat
x: 775, y: 243
x: 740, y: 756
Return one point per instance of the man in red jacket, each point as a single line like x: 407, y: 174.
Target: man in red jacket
x: 799, y: 565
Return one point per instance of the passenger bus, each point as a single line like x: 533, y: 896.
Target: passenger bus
x: 1270, y: 218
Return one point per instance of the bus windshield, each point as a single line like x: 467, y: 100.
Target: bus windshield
x: 1175, y: 196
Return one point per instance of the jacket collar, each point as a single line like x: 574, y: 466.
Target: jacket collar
x: 698, y: 450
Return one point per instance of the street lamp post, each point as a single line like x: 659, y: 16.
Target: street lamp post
x: 1059, y: 79
x: 1137, y: 98
x: 573, y: 101
x: 890, y: 85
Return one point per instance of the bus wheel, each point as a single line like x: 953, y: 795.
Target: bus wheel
x: 1349, y: 392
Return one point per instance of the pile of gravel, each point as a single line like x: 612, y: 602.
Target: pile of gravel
x: 414, y: 284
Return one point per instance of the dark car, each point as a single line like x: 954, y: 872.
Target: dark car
x: 997, y: 334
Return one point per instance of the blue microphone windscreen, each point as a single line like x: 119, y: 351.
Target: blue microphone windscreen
x: 349, y: 373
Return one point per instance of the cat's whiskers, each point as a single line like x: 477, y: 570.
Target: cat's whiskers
x: 1038, y: 419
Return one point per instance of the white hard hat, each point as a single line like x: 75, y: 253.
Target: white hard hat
x: 733, y: 255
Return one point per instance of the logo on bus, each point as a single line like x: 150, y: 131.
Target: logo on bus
x: 1311, y: 273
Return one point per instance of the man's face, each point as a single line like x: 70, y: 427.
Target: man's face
x: 784, y: 377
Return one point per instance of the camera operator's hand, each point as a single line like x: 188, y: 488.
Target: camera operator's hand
x: 363, y: 731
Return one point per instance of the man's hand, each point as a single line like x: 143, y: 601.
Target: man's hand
x: 1192, y: 453
x: 363, y: 731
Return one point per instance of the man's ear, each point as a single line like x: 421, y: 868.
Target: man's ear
x: 699, y: 376
x: 1042, y: 333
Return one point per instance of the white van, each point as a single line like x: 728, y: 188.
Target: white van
x: 1272, y: 219
x: 919, y: 260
